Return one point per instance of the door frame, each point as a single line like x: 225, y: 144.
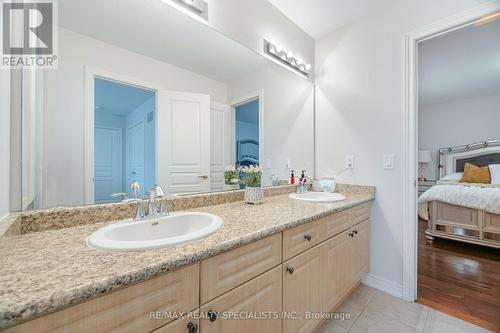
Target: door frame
x: 92, y: 73
x: 119, y: 130
x: 258, y: 94
x: 409, y: 127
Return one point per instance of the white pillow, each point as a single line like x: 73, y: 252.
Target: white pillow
x: 453, y: 177
x: 495, y: 173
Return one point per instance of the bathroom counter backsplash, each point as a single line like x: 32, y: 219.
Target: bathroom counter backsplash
x: 53, y: 268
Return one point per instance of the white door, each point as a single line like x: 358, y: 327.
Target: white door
x: 107, y: 163
x: 220, y: 143
x: 135, y: 156
x: 183, y: 142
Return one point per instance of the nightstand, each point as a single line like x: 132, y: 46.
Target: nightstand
x: 425, y: 185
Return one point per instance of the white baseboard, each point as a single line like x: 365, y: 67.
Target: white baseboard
x: 384, y: 285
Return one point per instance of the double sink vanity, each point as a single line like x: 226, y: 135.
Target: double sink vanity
x: 277, y: 267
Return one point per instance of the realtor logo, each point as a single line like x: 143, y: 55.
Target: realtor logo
x: 29, y: 36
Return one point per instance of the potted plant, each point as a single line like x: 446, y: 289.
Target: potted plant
x: 231, y: 178
x: 252, y: 179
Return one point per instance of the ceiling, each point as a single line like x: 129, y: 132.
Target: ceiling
x: 461, y: 64
x: 319, y: 17
x: 118, y: 99
x: 157, y: 30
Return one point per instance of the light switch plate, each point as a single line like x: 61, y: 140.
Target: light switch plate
x: 388, y: 162
x: 349, y: 161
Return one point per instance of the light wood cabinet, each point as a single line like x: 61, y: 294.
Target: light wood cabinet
x: 302, y: 290
x: 277, y: 284
x: 338, y: 222
x: 126, y: 310
x: 359, y: 252
x: 361, y: 212
x: 255, y: 298
x: 302, y: 237
x: 231, y: 269
x: 187, y: 324
x: 336, y: 275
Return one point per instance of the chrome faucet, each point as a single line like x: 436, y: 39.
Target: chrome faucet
x: 301, y: 186
x: 136, y: 188
x: 156, y: 192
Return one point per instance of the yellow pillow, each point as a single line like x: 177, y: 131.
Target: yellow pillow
x: 474, y: 174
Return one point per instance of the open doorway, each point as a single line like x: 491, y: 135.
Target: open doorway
x: 124, y: 140
x: 247, y: 132
x: 459, y: 139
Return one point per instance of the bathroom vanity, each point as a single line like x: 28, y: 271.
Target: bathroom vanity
x: 266, y: 267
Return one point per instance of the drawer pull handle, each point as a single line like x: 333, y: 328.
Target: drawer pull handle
x: 355, y: 232
x: 212, y: 315
x: 351, y: 234
x: 192, y: 327
x: 290, y: 270
x: 308, y: 238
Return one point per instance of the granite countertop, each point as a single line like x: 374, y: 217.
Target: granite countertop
x: 48, y: 270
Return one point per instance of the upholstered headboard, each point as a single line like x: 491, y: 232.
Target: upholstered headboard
x: 453, y: 159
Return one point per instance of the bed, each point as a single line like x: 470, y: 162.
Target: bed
x: 463, y: 211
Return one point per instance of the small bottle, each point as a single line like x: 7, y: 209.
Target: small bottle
x: 302, y: 179
x: 292, y: 178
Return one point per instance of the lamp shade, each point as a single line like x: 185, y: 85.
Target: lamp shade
x: 424, y: 156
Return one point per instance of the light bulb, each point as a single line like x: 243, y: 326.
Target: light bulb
x: 289, y: 55
x: 279, y: 48
x: 283, y: 57
x: 300, y: 61
x: 308, y: 67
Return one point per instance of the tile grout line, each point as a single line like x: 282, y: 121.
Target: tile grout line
x: 361, y: 313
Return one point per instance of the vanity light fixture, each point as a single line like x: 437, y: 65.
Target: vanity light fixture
x: 287, y: 58
x: 198, y: 7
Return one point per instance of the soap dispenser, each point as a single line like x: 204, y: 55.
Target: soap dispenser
x: 292, y: 178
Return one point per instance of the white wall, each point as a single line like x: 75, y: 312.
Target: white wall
x: 457, y: 123
x: 249, y: 22
x: 359, y: 108
x: 64, y: 100
x: 4, y: 141
x: 288, y: 122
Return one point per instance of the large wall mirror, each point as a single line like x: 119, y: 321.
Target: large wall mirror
x: 145, y: 94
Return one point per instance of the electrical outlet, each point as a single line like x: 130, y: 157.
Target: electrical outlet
x: 349, y: 161
x: 288, y: 164
x: 388, y: 162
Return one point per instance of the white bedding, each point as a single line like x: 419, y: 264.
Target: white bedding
x: 477, y: 197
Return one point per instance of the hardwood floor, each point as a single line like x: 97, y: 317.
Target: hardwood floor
x: 462, y: 280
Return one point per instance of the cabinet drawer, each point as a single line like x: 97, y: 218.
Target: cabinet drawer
x: 361, y: 213
x: 126, y: 310
x: 228, y: 270
x: 258, y: 296
x: 302, y: 237
x: 181, y: 325
x: 338, y: 222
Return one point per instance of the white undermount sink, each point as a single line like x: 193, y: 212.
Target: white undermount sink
x: 152, y: 233
x: 318, y: 196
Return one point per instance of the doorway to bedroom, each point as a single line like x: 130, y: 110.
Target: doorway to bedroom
x: 458, y: 158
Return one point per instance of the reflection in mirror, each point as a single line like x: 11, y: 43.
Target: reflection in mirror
x: 169, y: 101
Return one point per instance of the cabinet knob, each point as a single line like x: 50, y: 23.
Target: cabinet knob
x: 192, y: 327
x: 355, y: 232
x: 351, y: 234
x: 308, y: 237
x: 290, y: 270
x: 212, y: 315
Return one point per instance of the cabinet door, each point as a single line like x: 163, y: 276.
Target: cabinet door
x: 360, y: 251
x: 302, y: 291
x: 248, y: 308
x: 187, y: 324
x: 336, y: 277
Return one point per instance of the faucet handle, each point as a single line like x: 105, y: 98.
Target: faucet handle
x: 139, y: 213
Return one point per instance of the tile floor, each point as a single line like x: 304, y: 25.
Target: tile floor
x: 373, y: 311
